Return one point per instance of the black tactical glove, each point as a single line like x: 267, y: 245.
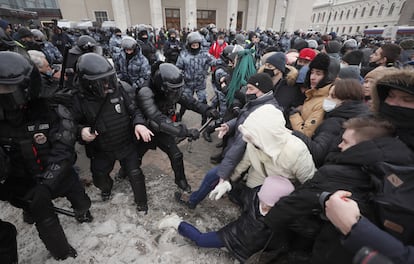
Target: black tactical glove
x: 213, y: 113
x: 193, y: 134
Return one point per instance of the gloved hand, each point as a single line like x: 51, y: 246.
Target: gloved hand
x: 213, y: 113
x: 193, y: 133
x: 221, y: 188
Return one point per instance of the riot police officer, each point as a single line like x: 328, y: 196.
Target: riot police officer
x: 172, y: 47
x: 158, y: 103
x: 107, y: 118
x: 38, y: 136
x: 148, y: 49
x: 131, y: 66
x: 84, y: 44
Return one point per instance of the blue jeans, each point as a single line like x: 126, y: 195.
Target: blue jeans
x: 206, y: 240
x: 207, y: 185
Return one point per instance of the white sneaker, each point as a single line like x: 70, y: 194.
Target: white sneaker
x: 172, y: 220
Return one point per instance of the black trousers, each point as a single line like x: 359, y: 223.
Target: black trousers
x: 168, y: 145
x: 8, y: 243
x: 102, y: 164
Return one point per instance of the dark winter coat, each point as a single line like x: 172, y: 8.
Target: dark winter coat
x: 329, y: 134
x: 172, y: 50
x: 342, y: 171
x: 288, y: 96
x: 248, y: 234
x: 365, y: 233
x: 236, y: 146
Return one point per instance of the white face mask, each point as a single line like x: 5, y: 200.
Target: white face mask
x: 328, y: 105
x: 220, y: 42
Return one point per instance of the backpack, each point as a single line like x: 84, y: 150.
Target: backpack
x: 394, y: 199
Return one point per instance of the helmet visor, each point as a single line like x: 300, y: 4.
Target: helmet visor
x: 13, y: 100
x: 100, y: 87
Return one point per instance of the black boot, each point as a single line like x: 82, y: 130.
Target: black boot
x: 84, y: 217
x: 137, y: 180
x: 52, y: 235
x: 177, y: 165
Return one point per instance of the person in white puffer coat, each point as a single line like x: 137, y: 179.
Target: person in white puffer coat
x: 272, y: 149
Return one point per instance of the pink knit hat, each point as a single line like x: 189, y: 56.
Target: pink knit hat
x: 273, y: 188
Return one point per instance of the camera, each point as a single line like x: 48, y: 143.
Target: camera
x: 367, y: 255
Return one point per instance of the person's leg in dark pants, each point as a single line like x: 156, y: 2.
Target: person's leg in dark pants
x: 206, y: 240
x: 167, y: 144
x: 101, y: 165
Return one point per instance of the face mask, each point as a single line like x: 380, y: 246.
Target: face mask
x: 172, y: 38
x: 270, y: 72
x: 220, y: 42
x: 328, y: 105
x: 250, y: 97
x: 49, y: 74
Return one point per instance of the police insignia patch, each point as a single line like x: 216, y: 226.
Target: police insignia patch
x: 118, y: 108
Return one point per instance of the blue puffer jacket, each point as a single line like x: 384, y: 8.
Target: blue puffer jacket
x: 136, y: 71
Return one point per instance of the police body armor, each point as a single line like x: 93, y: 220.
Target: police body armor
x: 113, y: 124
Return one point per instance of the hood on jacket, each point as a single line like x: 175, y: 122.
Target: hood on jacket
x: 265, y: 129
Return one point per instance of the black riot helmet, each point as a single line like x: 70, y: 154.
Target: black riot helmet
x: 86, y: 43
x: 168, y: 80
x: 96, y: 76
x: 15, y: 72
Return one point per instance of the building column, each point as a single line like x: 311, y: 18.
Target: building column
x: 279, y: 15
x: 232, y: 6
x: 156, y: 14
x: 121, y: 14
x: 191, y: 14
x: 251, y: 15
x: 262, y: 11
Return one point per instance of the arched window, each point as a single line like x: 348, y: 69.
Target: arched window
x: 391, y: 9
x: 355, y: 12
x: 323, y: 16
x: 380, y: 10
x: 336, y: 14
x: 363, y: 12
x: 343, y: 29
x: 347, y: 14
x: 342, y: 13
x: 337, y: 29
x: 372, y: 11
x: 350, y: 30
x: 329, y: 17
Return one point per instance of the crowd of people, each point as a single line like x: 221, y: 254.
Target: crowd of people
x: 307, y: 125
